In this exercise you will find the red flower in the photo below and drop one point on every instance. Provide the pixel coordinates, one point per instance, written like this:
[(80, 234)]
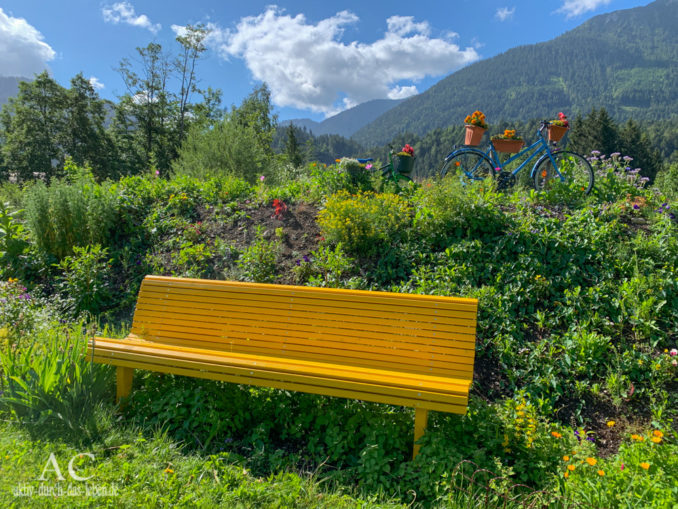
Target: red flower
[(280, 208), (407, 148)]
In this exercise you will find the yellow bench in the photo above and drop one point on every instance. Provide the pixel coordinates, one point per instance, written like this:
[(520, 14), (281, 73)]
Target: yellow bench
[(400, 349)]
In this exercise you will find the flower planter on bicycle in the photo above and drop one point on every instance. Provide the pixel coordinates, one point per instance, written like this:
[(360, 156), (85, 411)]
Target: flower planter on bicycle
[(553, 166)]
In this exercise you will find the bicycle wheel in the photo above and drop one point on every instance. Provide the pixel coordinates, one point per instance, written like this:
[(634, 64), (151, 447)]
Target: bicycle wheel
[(572, 166), (469, 165)]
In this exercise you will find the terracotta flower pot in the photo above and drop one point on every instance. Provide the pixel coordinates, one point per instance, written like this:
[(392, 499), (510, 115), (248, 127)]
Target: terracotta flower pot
[(473, 135), (556, 132), (508, 146)]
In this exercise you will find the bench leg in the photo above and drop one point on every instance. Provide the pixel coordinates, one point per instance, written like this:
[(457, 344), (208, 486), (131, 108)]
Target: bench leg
[(124, 382), (420, 421)]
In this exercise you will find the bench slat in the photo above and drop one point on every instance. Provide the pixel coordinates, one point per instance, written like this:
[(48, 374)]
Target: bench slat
[(309, 388), (105, 346), (355, 299), (227, 326), (310, 349), (259, 308), (268, 370), (193, 330)]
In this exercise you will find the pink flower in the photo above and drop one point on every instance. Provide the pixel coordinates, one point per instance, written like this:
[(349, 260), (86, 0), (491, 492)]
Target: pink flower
[(674, 362), (262, 178), (622, 467), (368, 166), (157, 173), (673, 352)]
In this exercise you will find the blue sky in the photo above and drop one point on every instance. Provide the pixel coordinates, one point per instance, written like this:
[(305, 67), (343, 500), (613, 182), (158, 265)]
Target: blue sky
[(317, 57)]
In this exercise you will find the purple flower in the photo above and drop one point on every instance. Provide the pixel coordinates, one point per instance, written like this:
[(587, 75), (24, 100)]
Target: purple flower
[(298, 262), (636, 207), (615, 154), (307, 259), (595, 152), (627, 158)]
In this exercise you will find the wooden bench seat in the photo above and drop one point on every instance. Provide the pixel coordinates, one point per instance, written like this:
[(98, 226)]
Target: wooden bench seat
[(400, 349)]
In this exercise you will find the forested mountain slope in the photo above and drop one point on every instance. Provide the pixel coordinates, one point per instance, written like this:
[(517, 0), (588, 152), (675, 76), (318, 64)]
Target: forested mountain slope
[(624, 61)]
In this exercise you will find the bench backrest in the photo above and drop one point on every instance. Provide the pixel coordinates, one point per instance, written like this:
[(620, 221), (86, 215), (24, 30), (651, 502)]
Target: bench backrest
[(412, 333)]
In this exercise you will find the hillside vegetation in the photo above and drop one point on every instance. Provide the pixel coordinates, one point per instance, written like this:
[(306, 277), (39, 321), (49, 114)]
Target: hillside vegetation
[(574, 394)]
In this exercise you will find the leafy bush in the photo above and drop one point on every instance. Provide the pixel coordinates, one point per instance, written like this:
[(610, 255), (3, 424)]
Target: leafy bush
[(364, 223), (449, 210), (12, 241), (85, 279), (259, 260), (64, 214), (49, 385), (642, 473)]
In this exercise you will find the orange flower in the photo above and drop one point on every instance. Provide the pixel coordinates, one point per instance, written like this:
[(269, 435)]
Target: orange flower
[(556, 434), (566, 458), (601, 473), (656, 440), (645, 465), (658, 433), (571, 468), (566, 475), (637, 438), (591, 461)]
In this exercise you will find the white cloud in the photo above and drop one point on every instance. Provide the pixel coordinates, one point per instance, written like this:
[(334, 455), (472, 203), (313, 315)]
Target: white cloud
[(572, 8), (123, 12), (504, 13), (96, 84), (307, 66), (22, 49), (402, 92)]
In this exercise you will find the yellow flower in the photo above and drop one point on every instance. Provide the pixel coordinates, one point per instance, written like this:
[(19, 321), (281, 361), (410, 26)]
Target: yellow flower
[(601, 473), (645, 465), (566, 458), (591, 461), (571, 468), (168, 470), (657, 440), (610, 424)]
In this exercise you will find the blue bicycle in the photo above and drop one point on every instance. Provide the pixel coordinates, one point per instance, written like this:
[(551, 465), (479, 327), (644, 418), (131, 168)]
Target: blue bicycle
[(554, 166)]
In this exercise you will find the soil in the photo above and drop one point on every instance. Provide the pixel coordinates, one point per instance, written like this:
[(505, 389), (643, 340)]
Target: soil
[(300, 232)]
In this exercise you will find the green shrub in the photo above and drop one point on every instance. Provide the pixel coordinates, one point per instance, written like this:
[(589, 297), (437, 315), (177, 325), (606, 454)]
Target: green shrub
[(259, 260), (365, 222), (85, 280), (50, 387), (667, 181), (64, 215), (448, 210), (642, 474), (12, 241)]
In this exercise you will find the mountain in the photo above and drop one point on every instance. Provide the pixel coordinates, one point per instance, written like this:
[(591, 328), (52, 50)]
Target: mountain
[(348, 121), (624, 61), (9, 87)]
